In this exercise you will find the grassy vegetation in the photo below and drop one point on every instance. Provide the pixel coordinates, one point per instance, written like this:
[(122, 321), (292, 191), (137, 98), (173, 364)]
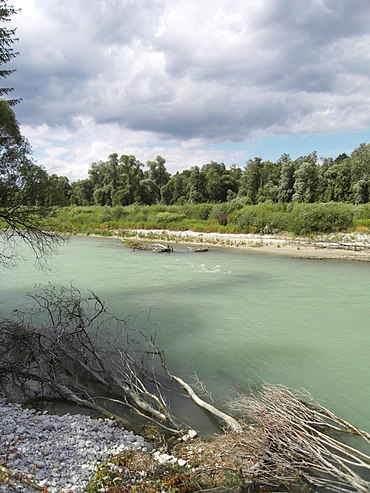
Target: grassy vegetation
[(296, 218), (136, 471)]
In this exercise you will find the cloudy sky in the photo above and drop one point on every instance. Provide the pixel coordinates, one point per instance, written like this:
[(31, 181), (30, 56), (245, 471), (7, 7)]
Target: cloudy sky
[(192, 80)]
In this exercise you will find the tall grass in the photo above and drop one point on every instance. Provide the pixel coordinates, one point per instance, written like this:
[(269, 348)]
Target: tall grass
[(264, 218)]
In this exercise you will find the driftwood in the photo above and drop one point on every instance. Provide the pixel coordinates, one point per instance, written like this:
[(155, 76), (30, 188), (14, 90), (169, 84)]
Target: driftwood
[(142, 245), (300, 440), (159, 248), (65, 347), (227, 419), (198, 250)]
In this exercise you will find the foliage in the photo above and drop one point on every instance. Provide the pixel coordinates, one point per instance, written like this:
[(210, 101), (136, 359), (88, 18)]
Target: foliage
[(262, 218), (7, 53), (323, 218), (267, 218), (22, 196), (125, 181), (135, 471)]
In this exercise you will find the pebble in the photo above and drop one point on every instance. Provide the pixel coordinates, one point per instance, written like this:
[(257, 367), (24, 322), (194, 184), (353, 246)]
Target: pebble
[(55, 451)]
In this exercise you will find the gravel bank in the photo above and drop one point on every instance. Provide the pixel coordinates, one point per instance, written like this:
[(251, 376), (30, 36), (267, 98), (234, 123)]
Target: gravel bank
[(59, 453), (344, 246)]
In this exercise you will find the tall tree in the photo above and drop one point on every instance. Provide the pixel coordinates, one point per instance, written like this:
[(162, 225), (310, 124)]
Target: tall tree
[(131, 174), (251, 181), (58, 191), (100, 174), (7, 40), (360, 173), (157, 171), (342, 180), (214, 188), (197, 181), (82, 192), (306, 182), (286, 181), (148, 192), (8, 121), (326, 178)]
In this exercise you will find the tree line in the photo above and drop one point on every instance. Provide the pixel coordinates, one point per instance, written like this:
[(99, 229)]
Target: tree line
[(125, 180)]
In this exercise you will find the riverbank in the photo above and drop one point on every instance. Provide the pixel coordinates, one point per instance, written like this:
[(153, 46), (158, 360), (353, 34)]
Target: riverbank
[(346, 246)]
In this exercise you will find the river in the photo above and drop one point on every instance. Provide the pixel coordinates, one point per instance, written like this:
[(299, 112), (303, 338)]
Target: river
[(235, 318)]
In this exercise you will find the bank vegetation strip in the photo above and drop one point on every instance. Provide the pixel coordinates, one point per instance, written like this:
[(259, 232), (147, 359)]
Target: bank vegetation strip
[(229, 217)]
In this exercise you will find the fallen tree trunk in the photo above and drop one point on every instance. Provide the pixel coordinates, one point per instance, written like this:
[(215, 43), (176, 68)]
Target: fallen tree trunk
[(227, 419), (159, 248)]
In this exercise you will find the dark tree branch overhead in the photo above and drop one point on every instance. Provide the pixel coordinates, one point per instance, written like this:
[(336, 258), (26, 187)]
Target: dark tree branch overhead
[(21, 179), (21, 217)]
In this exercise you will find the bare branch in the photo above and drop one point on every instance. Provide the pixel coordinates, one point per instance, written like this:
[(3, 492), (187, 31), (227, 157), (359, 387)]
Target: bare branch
[(300, 443)]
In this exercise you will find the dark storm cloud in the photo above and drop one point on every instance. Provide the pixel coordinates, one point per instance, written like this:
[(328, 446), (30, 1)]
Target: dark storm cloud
[(212, 69)]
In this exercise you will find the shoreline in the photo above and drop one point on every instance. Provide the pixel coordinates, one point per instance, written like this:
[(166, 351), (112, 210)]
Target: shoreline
[(344, 246)]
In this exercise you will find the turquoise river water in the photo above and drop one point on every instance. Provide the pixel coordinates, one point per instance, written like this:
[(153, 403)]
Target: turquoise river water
[(236, 318)]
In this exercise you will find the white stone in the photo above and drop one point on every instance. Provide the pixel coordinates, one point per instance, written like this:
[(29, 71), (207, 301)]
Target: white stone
[(192, 433)]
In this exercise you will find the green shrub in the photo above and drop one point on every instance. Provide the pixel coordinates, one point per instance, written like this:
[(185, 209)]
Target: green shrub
[(298, 218), (260, 219), (225, 208), (197, 211), (362, 211), (166, 217), (362, 222), (320, 218), (218, 210)]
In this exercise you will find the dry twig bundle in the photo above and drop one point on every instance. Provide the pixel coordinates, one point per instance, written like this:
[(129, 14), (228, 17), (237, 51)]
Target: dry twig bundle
[(302, 441)]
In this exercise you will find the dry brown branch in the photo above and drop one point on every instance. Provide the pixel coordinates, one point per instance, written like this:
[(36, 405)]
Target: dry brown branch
[(300, 444), (24, 225)]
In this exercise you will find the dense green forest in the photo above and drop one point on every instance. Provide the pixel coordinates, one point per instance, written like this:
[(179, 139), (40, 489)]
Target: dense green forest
[(125, 180), (301, 196)]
